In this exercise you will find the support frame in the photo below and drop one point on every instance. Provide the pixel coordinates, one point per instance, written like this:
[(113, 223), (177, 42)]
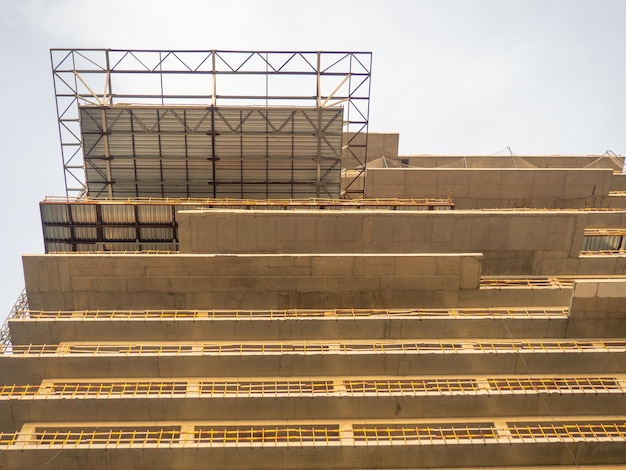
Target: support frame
[(105, 77)]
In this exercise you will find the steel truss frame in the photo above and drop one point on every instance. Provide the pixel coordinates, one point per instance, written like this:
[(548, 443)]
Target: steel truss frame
[(106, 77)]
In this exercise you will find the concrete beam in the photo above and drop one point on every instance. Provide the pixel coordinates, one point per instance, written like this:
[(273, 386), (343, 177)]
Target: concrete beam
[(513, 243), (16, 412), (598, 309), (32, 368), (475, 188), (203, 327), (309, 457), (250, 281)]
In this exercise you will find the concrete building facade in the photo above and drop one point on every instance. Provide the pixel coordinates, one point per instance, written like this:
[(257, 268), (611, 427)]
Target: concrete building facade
[(454, 315)]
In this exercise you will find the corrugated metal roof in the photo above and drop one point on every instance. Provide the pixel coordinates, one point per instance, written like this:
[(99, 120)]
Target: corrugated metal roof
[(85, 233), (119, 233), (118, 214), (156, 233), (55, 213), (154, 214), (56, 233), (83, 214), (198, 151)]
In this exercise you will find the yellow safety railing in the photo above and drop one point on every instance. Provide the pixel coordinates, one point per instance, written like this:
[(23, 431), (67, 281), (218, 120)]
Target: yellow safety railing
[(8, 439), (269, 388), (550, 209), (320, 387), (604, 232), (535, 283), (556, 384), (268, 434), (603, 253), (236, 202), (390, 433), (569, 431), (107, 438), (116, 252), (422, 313), (315, 347), (322, 434), (407, 386)]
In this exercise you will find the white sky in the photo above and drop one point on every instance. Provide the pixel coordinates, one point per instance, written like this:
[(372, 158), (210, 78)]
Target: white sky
[(451, 76)]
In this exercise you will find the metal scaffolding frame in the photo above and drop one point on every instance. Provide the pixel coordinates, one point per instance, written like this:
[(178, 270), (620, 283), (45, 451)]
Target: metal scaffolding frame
[(105, 78)]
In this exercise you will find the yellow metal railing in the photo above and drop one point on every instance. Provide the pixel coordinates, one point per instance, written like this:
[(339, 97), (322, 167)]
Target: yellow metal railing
[(550, 209), (604, 232), (116, 252), (603, 253), (268, 434), (540, 282), (555, 384), (106, 438), (411, 387), (443, 432), (535, 283), (422, 313), (315, 347), (252, 203), (321, 434), (319, 387), (568, 431)]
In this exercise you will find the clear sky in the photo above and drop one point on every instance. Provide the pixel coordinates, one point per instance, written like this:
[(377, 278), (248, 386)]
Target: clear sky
[(451, 76)]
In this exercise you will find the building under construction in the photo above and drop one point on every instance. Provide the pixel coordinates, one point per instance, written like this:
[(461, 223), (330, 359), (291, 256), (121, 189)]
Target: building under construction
[(241, 276)]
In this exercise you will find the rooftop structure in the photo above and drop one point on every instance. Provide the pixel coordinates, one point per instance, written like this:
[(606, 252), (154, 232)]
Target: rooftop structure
[(248, 124), (354, 309)]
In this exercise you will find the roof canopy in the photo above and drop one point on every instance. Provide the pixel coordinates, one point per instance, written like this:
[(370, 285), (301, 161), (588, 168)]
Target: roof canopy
[(206, 151)]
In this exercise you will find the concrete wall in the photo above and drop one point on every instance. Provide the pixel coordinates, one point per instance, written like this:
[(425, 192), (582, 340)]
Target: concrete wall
[(494, 188), (68, 282), (347, 455), (598, 309), (615, 201), (606, 219), (618, 182), (513, 243), (201, 328), (516, 161), (16, 412), (31, 369)]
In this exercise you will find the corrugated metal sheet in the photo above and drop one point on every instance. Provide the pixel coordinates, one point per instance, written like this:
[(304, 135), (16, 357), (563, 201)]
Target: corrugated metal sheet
[(86, 233), (160, 246), (596, 243), (119, 233), (56, 247), (150, 213), (119, 246), (118, 214), (166, 234), (86, 247), (54, 213), (169, 151), (84, 213), (56, 233)]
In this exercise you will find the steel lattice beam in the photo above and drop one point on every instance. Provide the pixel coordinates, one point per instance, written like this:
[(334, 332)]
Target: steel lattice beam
[(105, 77)]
